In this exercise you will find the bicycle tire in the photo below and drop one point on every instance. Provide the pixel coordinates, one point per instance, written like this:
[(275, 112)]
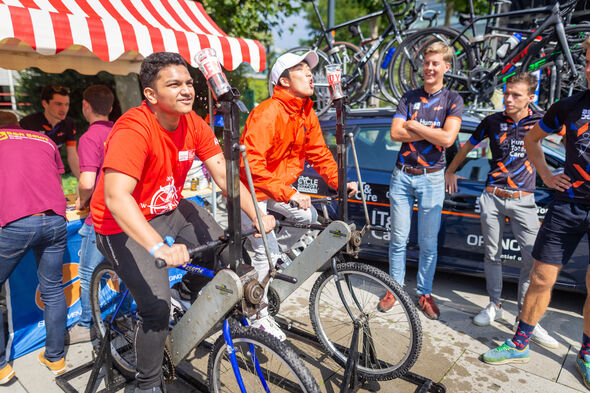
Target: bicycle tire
[(548, 60), (405, 68), (381, 74), (321, 103), (395, 333), (355, 87), (283, 370), (106, 290)]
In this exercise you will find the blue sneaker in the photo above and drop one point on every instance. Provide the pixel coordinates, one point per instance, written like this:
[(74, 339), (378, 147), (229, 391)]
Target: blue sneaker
[(583, 366), (507, 353)]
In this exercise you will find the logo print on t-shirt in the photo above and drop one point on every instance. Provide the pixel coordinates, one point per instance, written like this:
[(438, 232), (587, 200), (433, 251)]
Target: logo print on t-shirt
[(583, 141), (165, 199)]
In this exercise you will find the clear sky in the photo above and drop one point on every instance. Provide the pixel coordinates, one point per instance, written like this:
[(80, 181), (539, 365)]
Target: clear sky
[(290, 40)]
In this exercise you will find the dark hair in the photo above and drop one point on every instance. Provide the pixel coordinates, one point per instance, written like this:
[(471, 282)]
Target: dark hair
[(8, 118), (100, 98), (524, 77), (151, 66), (50, 90)]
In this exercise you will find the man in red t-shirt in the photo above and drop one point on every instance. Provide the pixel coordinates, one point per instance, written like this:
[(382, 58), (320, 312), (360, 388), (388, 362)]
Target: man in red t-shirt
[(137, 200)]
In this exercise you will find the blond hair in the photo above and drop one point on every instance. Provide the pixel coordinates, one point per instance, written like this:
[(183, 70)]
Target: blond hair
[(441, 48)]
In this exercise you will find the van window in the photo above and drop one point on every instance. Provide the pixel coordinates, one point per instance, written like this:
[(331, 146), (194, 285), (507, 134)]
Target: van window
[(374, 148)]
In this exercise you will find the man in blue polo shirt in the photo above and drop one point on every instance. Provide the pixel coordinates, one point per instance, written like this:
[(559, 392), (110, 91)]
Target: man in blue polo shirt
[(427, 121), (509, 193), (566, 222)]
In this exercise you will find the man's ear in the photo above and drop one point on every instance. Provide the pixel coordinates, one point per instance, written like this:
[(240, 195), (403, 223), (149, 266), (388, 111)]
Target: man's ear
[(150, 95), (44, 103), (448, 66), (284, 82)]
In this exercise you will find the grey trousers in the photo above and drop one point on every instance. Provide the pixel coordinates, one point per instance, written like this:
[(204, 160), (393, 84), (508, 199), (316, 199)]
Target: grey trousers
[(524, 221)]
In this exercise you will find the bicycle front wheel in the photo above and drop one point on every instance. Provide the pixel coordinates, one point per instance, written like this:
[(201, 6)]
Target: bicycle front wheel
[(113, 306), (390, 337), (549, 64), (405, 68), (279, 365)]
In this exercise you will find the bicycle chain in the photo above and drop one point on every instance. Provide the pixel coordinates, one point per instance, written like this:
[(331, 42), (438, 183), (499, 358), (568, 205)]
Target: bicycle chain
[(168, 369)]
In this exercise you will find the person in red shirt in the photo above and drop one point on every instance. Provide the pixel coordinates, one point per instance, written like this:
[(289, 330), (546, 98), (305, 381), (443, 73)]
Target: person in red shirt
[(138, 200), (280, 135)]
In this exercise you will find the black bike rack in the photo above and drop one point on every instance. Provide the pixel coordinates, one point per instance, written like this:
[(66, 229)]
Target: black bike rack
[(113, 379)]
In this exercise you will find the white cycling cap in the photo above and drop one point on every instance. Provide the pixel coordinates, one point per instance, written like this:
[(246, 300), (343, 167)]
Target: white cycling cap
[(288, 60)]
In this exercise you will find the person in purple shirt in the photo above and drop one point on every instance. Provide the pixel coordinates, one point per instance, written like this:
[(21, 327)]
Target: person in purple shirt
[(567, 221), (426, 121), (32, 217), (97, 104), (509, 193)]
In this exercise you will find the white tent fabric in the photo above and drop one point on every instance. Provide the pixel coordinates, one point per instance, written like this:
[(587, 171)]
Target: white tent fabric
[(89, 35)]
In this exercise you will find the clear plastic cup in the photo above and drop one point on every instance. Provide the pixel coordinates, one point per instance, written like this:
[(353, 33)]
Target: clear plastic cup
[(333, 74), (211, 69)]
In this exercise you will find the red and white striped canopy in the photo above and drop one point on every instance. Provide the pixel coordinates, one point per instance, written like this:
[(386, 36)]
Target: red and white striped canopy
[(113, 35)]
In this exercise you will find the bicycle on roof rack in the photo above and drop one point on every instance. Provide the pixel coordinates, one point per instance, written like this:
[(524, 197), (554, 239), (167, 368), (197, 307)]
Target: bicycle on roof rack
[(361, 79), (479, 66)]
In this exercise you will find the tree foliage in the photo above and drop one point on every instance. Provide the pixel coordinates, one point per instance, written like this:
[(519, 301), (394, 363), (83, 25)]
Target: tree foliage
[(250, 18)]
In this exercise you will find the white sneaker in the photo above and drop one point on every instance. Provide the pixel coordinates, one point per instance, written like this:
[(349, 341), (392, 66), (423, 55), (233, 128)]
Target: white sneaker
[(541, 337), (488, 314), (269, 325)]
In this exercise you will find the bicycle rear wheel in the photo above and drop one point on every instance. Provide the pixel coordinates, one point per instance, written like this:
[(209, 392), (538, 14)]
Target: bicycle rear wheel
[(356, 78), (283, 371), (113, 305), (390, 338), (557, 79), (405, 69)]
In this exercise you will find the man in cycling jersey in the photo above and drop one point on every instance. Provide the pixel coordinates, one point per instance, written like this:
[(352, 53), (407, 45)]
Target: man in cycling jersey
[(137, 200), (280, 135)]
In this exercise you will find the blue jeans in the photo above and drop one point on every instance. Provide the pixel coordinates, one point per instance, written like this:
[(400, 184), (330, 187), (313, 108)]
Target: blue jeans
[(90, 257), (429, 191), (46, 235)]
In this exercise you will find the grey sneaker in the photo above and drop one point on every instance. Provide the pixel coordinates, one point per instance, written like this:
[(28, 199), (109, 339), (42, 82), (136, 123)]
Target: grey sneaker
[(488, 314), (79, 334)]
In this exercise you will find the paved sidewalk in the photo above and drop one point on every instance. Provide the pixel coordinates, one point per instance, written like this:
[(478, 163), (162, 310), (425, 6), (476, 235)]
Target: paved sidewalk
[(450, 351)]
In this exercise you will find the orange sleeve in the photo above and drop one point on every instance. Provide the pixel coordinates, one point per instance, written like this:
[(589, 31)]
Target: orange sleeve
[(257, 137), (318, 155)]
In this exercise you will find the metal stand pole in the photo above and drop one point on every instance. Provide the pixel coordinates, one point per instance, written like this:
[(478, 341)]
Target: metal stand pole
[(341, 158), (231, 107)]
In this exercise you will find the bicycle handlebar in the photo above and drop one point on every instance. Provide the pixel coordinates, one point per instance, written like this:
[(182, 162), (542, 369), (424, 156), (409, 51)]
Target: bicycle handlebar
[(192, 252)]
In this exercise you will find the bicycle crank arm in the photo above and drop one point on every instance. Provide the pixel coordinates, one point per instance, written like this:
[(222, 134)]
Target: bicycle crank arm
[(314, 257), (218, 298)]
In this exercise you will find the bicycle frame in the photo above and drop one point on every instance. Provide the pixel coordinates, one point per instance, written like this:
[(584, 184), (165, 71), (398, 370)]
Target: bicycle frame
[(181, 340), (526, 46)]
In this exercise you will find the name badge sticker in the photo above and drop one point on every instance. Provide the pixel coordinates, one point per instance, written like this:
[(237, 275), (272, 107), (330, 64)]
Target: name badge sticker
[(183, 155)]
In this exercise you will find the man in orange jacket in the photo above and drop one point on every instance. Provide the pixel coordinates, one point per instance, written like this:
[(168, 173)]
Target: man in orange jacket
[(280, 135)]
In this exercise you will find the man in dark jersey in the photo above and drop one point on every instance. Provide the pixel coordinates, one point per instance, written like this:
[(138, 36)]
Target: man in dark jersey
[(54, 123), (509, 193), (32, 216), (427, 120), (566, 222)]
